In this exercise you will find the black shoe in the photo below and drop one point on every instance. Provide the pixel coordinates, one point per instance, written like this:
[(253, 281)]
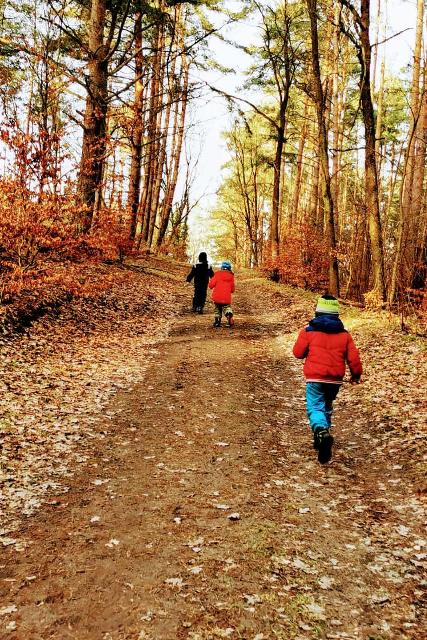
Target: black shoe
[(200, 310), (217, 322), (323, 442)]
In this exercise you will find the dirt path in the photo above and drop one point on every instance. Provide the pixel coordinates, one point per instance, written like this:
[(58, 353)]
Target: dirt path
[(208, 516)]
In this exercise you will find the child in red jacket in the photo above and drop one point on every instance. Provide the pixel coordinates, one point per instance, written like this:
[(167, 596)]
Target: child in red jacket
[(326, 347), (223, 286)]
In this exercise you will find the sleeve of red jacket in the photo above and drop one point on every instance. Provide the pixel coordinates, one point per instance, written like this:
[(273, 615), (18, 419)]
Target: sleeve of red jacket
[(353, 358), (301, 346), (212, 282), (233, 286)]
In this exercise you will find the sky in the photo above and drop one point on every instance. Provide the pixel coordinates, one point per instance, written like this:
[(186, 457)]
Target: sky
[(211, 116)]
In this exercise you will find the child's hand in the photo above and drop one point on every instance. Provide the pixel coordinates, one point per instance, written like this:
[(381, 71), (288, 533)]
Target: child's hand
[(355, 380)]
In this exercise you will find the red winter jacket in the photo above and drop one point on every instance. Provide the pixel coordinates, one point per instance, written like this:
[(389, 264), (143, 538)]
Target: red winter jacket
[(327, 347), (223, 286)]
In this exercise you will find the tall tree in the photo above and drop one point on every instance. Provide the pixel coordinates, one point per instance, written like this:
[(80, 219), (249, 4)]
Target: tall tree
[(319, 100), (361, 40), (137, 124), (180, 91), (105, 25), (405, 241), (276, 67)]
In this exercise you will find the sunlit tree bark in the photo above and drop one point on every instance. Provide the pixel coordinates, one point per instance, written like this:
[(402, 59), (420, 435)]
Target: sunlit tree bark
[(94, 124), (402, 266), (319, 100)]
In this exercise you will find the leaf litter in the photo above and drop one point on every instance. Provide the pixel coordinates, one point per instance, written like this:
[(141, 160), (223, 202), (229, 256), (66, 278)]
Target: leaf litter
[(288, 559), (57, 379)]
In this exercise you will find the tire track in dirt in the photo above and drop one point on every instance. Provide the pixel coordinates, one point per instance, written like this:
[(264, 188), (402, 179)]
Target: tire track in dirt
[(146, 548)]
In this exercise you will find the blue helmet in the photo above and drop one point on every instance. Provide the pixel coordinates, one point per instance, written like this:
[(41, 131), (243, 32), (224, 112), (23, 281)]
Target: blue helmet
[(226, 266)]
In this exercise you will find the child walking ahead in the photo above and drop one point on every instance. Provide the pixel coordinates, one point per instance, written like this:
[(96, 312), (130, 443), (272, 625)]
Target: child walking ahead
[(223, 286), (327, 347), (201, 272)]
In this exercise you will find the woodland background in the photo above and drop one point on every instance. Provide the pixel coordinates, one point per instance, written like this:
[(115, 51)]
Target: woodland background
[(325, 186), (128, 506)]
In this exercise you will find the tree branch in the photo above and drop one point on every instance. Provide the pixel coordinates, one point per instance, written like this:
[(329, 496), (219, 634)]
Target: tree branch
[(251, 104), (399, 33)]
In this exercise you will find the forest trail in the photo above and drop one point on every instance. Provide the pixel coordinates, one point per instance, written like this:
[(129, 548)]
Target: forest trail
[(208, 515)]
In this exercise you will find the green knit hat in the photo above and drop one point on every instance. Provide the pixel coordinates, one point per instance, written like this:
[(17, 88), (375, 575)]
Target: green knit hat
[(328, 305)]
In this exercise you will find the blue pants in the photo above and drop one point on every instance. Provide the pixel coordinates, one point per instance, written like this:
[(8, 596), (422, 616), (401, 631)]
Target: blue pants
[(320, 396)]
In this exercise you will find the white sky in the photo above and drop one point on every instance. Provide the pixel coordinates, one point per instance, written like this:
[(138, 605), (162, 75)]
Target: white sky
[(212, 117)]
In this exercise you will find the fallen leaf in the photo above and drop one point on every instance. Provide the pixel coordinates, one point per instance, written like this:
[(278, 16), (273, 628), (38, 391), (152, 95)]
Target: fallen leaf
[(196, 570), (325, 582), (113, 543), (5, 611), (316, 610), (174, 582), (196, 542)]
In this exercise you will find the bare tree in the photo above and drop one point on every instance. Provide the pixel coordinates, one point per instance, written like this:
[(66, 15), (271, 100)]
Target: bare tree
[(319, 100), (359, 36), (101, 45)]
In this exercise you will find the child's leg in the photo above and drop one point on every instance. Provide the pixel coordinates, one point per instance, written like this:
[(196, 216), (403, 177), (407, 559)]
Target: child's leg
[(199, 297), (316, 405), (319, 410), (203, 298), (218, 314), (229, 315), (331, 392), (218, 310)]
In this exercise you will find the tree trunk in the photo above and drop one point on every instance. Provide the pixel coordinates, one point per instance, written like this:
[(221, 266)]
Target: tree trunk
[(277, 168), (150, 162), (420, 162), (164, 129), (324, 155), (380, 114), (314, 192), (156, 167), (371, 176), (94, 124), (177, 142), (400, 267), (375, 47), (336, 112), (293, 217), (282, 191), (138, 126), (415, 111)]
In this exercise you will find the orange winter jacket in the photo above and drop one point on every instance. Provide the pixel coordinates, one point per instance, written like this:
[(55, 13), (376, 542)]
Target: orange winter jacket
[(327, 347), (223, 286)]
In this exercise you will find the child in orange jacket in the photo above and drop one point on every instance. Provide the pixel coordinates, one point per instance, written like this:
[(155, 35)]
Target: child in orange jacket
[(326, 347), (223, 286)]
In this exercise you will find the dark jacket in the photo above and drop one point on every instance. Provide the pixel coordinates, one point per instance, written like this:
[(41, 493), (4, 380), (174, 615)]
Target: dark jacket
[(200, 272), (327, 347)]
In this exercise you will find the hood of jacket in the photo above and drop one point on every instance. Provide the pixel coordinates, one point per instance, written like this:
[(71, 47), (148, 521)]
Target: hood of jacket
[(326, 323)]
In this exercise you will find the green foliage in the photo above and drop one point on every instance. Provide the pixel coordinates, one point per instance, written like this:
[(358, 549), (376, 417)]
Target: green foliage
[(395, 116)]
